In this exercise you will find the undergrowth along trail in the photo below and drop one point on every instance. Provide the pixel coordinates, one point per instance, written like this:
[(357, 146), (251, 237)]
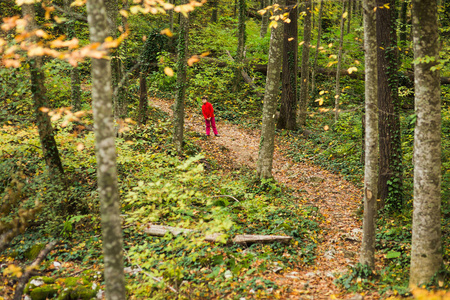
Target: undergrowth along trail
[(336, 199)]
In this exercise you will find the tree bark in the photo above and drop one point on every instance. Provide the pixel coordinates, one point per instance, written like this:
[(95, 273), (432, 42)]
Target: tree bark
[(75, 83), (264, 20), (319, 36), (143, 99), (367, 255), (183, 38), (303, 101), (106, 157), (241, 45), (266, 146), (426, 249), (403, 25), (38, 91), (214, 13), (338, 68), (288, 109), (349, 15), (390, 170)]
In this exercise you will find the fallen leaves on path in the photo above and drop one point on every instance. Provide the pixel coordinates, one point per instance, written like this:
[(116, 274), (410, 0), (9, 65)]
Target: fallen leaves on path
[(336, 199)]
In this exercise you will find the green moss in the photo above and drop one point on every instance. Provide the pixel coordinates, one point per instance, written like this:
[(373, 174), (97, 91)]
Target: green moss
[(29, 287), (70, 281), (33, 252), (82, 292), (44, 292)]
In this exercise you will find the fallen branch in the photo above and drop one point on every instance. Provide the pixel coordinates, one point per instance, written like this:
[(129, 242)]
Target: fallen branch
[(159, 230), (247, 78), (26, 276)]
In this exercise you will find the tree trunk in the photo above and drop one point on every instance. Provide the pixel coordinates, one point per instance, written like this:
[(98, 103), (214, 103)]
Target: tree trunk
[(106, 157), (390, 170), (367, 255), (349, 16), (214, 13), (178, 115), (303, 101), (426, 249), (288, 109), (338, 68), (143, 99), (75, 83), (319, 36), (265, 20), (38, 91), (403, 20), (266, 146), (241, 45)]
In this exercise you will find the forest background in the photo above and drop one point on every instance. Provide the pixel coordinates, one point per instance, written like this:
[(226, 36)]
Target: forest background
[(158, 184)]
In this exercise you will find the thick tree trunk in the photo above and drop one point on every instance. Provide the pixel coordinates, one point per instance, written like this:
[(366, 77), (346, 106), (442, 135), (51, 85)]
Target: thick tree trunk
[(106, 157), (337, 96), (390, 170), (303, 101), (241, 45), (367, 255), (143, 99), (265, 19), (266, 146), (38, 91), (349, 23), (288, 109), (426, 249), (319, 36), (178, 115)]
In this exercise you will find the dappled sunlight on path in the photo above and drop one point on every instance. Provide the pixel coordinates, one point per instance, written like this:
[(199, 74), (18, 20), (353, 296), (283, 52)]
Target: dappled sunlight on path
[(336, 199)]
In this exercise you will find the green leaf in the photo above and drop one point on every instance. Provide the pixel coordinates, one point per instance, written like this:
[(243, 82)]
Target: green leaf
[(393, 254)]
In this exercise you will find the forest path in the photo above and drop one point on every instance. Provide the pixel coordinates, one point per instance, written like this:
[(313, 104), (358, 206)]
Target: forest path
[(336, 199)]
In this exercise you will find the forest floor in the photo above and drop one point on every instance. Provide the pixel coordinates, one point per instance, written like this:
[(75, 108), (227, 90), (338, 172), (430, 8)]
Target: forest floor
[(336, 199)]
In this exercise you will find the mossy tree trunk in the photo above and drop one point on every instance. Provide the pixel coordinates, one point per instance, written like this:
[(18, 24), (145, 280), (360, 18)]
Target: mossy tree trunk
[(106, 157), (266, 146), (178, 115), (426, 245), (303, 100), (316, 56), (390, 169), (143, 99), (337, 96), (288, 109), (367, 254), (241, 45), (265, 19), (38, 91)]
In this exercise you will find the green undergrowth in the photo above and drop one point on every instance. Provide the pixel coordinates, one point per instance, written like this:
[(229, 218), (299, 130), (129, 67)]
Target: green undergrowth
[(158, 187)]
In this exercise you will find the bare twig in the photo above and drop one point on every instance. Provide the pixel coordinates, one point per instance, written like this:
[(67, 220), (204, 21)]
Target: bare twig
[(225, 196), (24, 279)]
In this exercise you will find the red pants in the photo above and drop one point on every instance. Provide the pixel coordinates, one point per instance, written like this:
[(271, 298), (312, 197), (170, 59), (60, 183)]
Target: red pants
[(209, 124)]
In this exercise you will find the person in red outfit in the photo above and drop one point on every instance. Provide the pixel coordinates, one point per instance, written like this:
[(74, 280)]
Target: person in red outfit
[(208, 113)]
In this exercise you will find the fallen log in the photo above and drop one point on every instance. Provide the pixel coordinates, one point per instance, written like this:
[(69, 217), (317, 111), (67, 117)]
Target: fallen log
[(244, 239)]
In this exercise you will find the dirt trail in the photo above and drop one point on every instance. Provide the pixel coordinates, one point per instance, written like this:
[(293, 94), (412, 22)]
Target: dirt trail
[(336, 199)]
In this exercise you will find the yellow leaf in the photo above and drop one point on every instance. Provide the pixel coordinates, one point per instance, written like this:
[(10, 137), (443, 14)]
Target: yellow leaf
[(387, 6), (124, 13), (290, 39), (352, 69), (301, 43), (330, 45), (167, 32), (273, 24), (80, 147), (344, 15), (168, 71), (326, 128), (321, 92), (191, 61)]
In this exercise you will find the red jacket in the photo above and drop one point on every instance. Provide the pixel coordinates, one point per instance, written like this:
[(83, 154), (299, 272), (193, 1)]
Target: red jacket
[(207, 110)]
